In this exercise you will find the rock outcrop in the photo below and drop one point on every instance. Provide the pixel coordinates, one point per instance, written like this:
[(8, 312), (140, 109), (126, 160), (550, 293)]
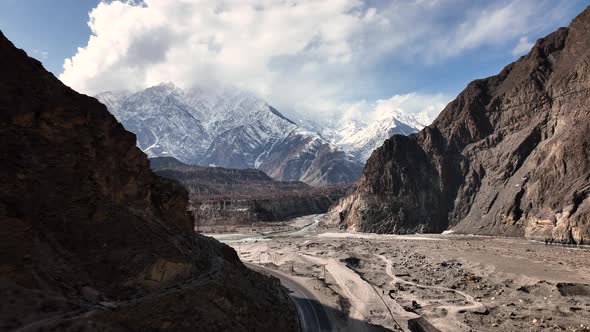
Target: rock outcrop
[(91, 239), (223, 196), (509, 156)]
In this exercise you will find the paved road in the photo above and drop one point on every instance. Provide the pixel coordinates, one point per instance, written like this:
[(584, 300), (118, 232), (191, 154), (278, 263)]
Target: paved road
[(312, 314)]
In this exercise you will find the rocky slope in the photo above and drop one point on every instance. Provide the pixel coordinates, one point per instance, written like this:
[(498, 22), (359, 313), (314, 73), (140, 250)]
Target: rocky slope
[(311, 159), (509, 156), (91, 239), (222, 196), (230, 128)]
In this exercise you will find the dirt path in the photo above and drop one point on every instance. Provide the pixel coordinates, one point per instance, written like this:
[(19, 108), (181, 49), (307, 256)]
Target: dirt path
[(457, 283), (452, 310), (364, 298)]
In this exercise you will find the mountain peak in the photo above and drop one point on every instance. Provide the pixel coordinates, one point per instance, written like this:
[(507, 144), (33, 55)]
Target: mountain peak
[(167, 85), (228, 127), (391, 114)]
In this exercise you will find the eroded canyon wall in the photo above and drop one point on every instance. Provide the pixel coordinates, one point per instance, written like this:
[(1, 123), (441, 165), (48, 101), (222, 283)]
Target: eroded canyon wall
[(509, 156)]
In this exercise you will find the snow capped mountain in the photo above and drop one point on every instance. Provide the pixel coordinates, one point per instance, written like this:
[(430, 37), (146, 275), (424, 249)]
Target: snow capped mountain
[(162, 119), (311, 158), (347, 129), (361, 138), (325, 130), (230, 128), (362, 141), (112, 99)]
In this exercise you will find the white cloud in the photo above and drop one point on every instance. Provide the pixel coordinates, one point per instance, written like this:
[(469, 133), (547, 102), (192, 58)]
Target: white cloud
[(308, 55), (523, 46), (424, 107)]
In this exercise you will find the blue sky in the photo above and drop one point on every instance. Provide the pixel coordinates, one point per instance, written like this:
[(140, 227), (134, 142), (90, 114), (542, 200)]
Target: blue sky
[(329, 59), (57, 27)]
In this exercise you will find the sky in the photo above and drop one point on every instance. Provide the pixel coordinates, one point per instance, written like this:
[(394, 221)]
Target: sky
[(326, 60)]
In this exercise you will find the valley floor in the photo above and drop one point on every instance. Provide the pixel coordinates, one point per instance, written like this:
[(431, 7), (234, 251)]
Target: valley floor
[(456, 283)]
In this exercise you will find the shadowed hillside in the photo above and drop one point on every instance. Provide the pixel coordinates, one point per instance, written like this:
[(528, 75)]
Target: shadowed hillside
[(91, 239), (242, 196)]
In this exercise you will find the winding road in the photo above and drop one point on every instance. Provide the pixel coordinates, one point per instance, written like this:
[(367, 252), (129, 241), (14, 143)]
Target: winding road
[(313, 316)]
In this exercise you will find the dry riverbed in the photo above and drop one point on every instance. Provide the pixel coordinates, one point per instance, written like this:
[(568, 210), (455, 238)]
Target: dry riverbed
[(457, 283)]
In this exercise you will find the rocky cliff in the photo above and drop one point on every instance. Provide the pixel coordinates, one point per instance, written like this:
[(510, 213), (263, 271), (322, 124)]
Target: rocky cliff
[(223, 196), (91, 239), (205, 182), (247, 211), (509, 156)]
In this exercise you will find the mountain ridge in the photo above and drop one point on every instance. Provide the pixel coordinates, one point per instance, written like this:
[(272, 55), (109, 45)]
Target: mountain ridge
[(229, 128), (506, 157), (361, 137)]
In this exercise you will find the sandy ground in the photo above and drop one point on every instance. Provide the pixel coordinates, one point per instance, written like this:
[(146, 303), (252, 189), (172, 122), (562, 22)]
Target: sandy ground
[(457, 283)]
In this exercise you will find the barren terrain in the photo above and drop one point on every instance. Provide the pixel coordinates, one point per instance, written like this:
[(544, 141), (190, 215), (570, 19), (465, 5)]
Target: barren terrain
[(455, 283)]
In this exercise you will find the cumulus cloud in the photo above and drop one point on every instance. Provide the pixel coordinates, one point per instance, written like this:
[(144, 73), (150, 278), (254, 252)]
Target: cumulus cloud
[(523, 46), (307, 55), (424, 107)]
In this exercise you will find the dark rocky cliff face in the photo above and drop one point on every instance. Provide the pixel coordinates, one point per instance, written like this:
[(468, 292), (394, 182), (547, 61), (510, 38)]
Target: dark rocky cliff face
[(247, 211), (224, 196), (91, 239), (509, 156)]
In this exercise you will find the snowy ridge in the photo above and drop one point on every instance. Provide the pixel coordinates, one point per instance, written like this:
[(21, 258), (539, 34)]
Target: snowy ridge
[(227, 127), (361, 138), (362, 142)]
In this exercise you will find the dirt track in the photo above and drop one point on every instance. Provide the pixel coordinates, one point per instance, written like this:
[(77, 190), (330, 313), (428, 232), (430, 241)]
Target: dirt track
[(457, 283)]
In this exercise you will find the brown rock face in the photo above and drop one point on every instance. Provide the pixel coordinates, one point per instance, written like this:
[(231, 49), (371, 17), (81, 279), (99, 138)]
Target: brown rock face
[(91, 239), (509, 156), (225, 196)]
